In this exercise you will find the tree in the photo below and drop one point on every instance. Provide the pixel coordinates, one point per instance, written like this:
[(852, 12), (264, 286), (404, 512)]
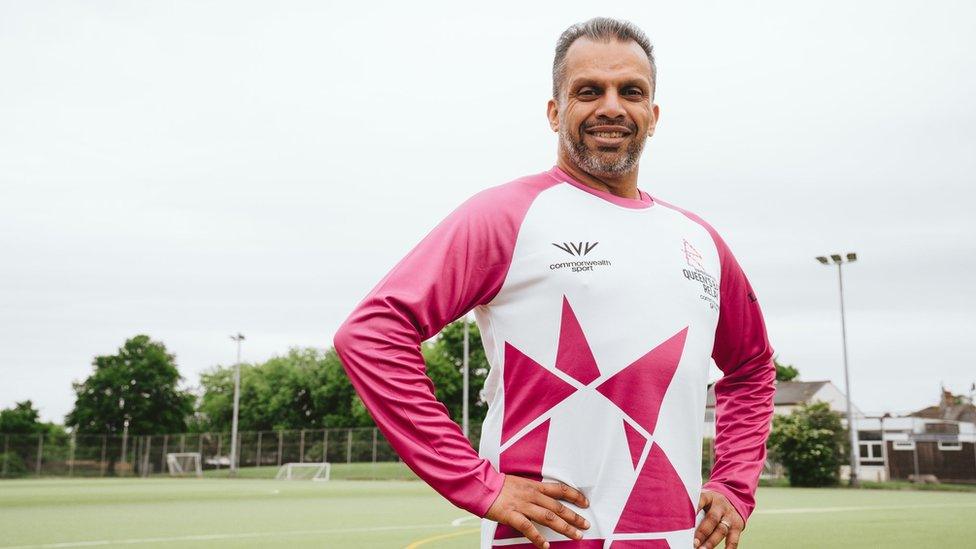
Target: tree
[(809, 443), (19, 423), (21, 428), (304, 389), (308, 388), (139, 383), (22, 419), (445, 362), (785, 372)]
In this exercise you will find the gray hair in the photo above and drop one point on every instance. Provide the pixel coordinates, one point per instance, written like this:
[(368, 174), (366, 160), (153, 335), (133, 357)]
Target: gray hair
[(603, 29)]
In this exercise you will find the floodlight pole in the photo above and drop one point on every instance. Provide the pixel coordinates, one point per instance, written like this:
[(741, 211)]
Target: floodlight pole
[(851, 426), (465, 375), (237, 398), (125, 436)]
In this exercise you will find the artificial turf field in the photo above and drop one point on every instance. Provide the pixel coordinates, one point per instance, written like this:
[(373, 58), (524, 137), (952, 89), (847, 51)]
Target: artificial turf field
[(251, 512)]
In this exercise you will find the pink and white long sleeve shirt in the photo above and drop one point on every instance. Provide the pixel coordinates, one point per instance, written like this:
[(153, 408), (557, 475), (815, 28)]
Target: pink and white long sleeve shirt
[(599, 315)]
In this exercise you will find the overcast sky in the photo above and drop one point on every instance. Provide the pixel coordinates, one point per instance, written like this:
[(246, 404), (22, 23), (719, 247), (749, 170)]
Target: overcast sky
[(188, 170)]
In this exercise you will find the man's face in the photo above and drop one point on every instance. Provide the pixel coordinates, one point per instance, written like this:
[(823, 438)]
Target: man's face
[(604, 112)]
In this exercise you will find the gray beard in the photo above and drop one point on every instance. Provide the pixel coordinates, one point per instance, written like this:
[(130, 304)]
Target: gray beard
[(594, 162)]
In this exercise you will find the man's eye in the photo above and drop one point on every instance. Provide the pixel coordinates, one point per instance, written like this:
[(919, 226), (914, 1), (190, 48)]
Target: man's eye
[(585, 92), (634, 91)]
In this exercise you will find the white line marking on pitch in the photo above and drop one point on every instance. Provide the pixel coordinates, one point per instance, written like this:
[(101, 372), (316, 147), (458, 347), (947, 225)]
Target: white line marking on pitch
[(455, 522), (210, 537), (855, 508), (462, 520)]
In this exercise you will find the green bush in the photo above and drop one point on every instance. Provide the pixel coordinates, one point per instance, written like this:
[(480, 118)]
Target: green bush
[(12, 465), (809, 443)]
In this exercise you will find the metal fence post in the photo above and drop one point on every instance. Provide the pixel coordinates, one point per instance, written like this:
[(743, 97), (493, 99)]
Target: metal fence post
[(101, 463), (915, 458), (162, 455), (125, 441), (40, 452), (974, 457), (182, 443), (258, 459), (281, 444), (6, 448), (301, 447), (71, 454), (349, 446), (146, 463), (218, 450), (374, 444), (136, 455), (325, 445)]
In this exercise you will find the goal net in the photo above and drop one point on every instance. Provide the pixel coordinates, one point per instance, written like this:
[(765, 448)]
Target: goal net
[(304, 471), (184, 464)]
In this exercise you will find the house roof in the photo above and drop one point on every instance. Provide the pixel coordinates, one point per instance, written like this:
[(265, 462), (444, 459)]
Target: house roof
[(787, 392), (956, 412), (951, 407)]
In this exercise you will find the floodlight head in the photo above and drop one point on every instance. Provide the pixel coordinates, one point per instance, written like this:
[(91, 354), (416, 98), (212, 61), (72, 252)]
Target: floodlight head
[(836, 258), (851, 256), (823, 260)]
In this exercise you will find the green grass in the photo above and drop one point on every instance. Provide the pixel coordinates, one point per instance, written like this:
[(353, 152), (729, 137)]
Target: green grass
[(339, 471), (247, 512), (905, 485), (887, 485)]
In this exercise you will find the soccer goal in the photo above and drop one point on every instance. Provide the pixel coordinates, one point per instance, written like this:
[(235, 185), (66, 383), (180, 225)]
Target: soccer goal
[(304, 471), (183, 464)]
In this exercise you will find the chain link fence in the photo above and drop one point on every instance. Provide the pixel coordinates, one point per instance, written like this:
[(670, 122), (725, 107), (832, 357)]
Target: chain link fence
[(145, 455)]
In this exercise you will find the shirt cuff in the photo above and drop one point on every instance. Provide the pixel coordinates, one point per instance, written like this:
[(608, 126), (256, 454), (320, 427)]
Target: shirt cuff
[(737, 503), (489, 493)]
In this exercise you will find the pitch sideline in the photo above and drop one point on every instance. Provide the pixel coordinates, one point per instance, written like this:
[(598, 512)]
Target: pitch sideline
[(455, 523), (214, 537)]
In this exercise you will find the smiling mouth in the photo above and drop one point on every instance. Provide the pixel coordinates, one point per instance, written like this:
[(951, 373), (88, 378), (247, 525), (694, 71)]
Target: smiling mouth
[(611, 132)]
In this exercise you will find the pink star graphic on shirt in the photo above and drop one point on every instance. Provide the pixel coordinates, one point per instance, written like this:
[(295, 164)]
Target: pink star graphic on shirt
[(658, 501)]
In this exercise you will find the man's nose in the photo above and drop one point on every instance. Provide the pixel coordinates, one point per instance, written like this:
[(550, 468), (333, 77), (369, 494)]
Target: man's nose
[(610, 105)]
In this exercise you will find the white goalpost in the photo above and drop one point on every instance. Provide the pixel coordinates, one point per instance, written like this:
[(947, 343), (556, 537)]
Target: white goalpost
[(181, 464), (304, 471)]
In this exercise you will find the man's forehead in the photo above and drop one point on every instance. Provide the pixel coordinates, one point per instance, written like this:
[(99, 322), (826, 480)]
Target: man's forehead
[(590, 59)]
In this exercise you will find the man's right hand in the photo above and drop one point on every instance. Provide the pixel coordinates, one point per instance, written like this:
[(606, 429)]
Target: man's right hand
[(523, 503)]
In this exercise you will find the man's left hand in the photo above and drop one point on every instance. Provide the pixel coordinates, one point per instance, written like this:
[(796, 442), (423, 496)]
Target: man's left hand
[(721, 521)]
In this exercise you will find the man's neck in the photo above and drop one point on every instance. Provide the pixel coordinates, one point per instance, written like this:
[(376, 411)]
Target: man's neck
[(624, 186)]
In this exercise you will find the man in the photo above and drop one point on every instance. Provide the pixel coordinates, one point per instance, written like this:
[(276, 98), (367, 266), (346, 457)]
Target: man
[(599, 307)]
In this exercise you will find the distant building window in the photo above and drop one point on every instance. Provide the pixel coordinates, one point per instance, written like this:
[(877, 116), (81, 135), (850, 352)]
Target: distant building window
[(903, 445), (871, 453), (950, 445)]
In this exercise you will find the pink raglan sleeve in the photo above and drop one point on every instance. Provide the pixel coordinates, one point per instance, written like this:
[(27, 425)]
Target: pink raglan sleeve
[(460, 264), (744, 395)]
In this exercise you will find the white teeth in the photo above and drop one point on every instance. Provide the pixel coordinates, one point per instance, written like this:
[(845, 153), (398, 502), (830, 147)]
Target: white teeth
[(608, 134)]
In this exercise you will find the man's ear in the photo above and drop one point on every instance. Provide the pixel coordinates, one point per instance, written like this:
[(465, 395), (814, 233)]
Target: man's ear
[(656, 111), (552, 111)]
